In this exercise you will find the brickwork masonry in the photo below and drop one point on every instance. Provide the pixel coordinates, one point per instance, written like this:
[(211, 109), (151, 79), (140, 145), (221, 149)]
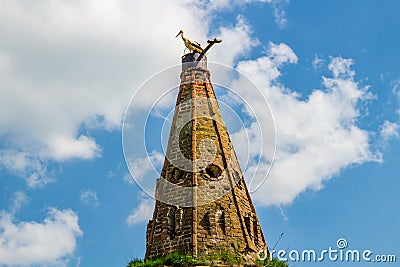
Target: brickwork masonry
[(203, 202)]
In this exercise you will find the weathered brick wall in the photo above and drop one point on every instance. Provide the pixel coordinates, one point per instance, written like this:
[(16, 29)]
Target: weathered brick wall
[(208, 206)]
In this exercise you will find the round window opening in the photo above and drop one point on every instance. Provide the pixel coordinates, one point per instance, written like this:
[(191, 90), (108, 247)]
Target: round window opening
[(213, 171), (178, 174)]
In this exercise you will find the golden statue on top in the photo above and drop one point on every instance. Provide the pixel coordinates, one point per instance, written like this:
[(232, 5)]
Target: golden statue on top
[(194, 46), (191, 45)]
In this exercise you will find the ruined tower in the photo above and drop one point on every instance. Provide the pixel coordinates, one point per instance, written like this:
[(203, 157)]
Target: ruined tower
[(203, 205)]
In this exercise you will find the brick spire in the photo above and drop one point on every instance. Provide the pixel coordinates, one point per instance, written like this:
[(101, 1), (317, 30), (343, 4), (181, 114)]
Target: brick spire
[(203, 205)]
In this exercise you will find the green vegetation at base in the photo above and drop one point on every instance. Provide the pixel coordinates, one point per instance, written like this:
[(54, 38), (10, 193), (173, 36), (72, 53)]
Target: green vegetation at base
[(179, 260), (272, 263), (174, 260)]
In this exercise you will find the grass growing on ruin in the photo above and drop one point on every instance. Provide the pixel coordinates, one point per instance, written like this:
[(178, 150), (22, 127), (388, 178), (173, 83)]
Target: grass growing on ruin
[(272, 263), (181, 260), (174, 260)]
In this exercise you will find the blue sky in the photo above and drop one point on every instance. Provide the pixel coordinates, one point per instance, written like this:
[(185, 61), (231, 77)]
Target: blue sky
[(329, 71)]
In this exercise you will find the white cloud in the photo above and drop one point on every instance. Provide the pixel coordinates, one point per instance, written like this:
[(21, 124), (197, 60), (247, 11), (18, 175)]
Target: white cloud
[(140, 167), (67, 66), (40, 243), (341, 68), (128, 178), (143, 212), (396, 92), (72, 73), (317, 137), (279, 13), (89, 198), (144, 170), (19, 199), (237, 41), (389, 130), (39, 177), (264, 70), (277, 6), (61, 148), (15, 161), (212, 5), (395, 88), (24, 164), (281, 53), (318, 62)]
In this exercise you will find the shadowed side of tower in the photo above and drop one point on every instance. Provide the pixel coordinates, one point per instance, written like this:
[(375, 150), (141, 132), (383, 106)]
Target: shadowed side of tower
[(203, 205)]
